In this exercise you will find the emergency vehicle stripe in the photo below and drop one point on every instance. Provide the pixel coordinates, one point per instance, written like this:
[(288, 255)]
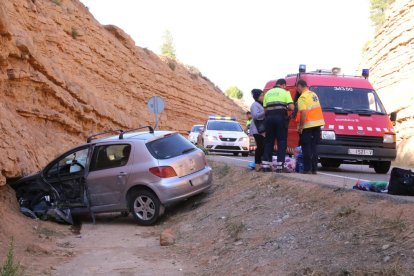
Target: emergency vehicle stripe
[(369, 128), (360, 128), (378, 129), (350, 127), (341, 127)]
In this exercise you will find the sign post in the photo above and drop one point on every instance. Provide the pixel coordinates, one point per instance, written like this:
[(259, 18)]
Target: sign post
[(156, 105)]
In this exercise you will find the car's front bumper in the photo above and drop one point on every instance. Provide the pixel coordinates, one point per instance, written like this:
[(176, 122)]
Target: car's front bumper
[(341, 152), (175, 189), (219, 146)]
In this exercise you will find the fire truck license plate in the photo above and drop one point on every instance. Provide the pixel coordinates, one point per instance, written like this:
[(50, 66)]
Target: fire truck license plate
[(360, 152)]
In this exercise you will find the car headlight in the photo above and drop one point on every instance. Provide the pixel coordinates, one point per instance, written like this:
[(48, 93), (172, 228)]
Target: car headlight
[(211, 138), (389, 138), (328, 135), (243, 139)]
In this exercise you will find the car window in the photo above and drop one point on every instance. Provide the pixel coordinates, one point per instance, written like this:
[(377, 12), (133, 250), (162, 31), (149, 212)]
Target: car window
[(170, 146), (224, 126), (110, 156), (71, 164), (196, 128)]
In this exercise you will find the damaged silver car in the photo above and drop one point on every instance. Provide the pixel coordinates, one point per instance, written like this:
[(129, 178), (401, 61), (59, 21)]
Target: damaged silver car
[(137, 172)]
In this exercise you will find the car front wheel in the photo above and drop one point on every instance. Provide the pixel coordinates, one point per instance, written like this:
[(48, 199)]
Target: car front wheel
[(145, 207)]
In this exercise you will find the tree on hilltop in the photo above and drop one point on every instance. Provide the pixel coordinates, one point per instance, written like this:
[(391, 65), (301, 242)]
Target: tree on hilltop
[(167, 46), (378, 8), (234, 92)]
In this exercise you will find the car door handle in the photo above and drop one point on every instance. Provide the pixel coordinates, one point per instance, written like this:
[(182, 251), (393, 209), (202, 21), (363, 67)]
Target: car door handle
[(122, 174)]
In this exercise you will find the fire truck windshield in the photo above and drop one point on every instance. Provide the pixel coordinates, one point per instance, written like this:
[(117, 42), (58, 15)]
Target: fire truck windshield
[(349, 99)]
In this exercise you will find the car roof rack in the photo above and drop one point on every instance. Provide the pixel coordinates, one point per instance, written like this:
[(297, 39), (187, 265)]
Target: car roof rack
[(121, 135), (90, 138)]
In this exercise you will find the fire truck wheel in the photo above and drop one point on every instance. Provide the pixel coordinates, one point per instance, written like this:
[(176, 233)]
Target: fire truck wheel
[(330, 163), (382, 166)]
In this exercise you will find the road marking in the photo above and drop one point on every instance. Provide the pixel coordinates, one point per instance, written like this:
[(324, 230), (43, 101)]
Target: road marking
[(236, 159), (352, 178)]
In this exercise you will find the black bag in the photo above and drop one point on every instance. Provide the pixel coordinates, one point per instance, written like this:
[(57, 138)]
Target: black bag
[(260, 125), (401, 182)]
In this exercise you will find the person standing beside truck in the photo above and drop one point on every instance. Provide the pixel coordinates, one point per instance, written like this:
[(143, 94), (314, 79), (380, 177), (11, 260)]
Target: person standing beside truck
[(277, 102), (310, 119), (257, 126), (248, 121)]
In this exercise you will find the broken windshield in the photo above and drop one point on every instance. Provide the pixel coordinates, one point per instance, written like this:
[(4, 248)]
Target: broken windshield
[(349, 99)]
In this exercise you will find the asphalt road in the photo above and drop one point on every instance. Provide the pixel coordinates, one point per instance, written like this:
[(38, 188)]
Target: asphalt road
[(346, 176)]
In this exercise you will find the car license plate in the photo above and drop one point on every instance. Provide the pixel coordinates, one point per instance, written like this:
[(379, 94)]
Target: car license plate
[(228, 144), (360, 152), (199, 180)]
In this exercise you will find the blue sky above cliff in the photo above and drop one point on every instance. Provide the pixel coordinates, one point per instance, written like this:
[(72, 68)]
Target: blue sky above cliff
[(247, 43)]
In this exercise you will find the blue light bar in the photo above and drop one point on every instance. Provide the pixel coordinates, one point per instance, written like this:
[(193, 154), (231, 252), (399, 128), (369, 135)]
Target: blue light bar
[(302, 68), (227, 118), (365, 73)]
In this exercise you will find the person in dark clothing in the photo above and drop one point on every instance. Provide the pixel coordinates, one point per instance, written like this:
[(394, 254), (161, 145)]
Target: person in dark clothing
[(277, 102), (257, 126)]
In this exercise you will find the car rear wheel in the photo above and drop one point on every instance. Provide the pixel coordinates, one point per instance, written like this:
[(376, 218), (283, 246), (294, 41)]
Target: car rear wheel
[(330, 163), (145, 207), (382, 166)]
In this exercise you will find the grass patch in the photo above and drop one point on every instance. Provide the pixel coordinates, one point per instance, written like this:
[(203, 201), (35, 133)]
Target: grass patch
[(57, 2), (172, 64), (74, 33), (10, 267), (235, 229), (345, 211), (223, 170), (398, 223), (49, 232)]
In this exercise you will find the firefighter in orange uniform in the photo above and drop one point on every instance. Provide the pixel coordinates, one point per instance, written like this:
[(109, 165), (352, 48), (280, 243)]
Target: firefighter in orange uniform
[(310, 119)]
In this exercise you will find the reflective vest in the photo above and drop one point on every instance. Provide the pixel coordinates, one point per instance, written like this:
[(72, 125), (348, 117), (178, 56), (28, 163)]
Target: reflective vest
[(277, 97), (309, 101), (248, 122)]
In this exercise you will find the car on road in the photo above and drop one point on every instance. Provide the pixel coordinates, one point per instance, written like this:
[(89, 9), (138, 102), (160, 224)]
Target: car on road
[(137, 172), (194, 133), (224, 134)]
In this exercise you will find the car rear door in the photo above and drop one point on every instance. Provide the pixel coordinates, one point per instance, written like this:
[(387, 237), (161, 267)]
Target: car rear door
[(108, 174)]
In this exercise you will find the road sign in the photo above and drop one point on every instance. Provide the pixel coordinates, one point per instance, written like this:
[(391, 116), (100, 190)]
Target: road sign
[(156, 105)]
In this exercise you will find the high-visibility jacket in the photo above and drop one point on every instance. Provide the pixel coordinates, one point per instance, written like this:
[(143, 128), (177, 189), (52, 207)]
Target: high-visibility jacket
[(277, 97), (248, 122), (309, 102)]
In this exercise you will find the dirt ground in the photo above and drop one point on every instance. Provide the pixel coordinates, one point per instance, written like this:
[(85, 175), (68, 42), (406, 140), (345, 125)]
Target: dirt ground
[(248, 223)]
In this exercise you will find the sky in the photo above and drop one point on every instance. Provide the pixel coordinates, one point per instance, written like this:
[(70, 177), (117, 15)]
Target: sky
[(247, 43)]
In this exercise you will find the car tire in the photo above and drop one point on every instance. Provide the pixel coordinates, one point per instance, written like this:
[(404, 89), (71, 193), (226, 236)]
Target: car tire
[(245, 154), (382, 167), (235, 153), (330, 163), (144, 206)]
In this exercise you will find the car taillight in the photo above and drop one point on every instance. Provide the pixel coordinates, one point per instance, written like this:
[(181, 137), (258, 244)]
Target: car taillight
[(163, 172)]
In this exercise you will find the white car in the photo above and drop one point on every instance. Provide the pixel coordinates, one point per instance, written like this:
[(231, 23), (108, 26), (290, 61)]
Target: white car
[(193, 134), (224, 134)]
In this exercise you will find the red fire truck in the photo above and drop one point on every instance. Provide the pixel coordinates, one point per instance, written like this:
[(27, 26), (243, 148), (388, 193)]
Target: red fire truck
[(357, 128)]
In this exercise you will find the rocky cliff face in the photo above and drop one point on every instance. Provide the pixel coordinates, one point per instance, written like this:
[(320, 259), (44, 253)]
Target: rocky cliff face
[(64, 76), (390, 56)]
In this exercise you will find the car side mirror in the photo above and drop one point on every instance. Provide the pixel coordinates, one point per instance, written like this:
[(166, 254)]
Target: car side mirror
[(393, 116)]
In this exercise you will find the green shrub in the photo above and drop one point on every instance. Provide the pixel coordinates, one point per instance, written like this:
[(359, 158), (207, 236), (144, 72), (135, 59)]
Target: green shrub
[(10, 268)]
